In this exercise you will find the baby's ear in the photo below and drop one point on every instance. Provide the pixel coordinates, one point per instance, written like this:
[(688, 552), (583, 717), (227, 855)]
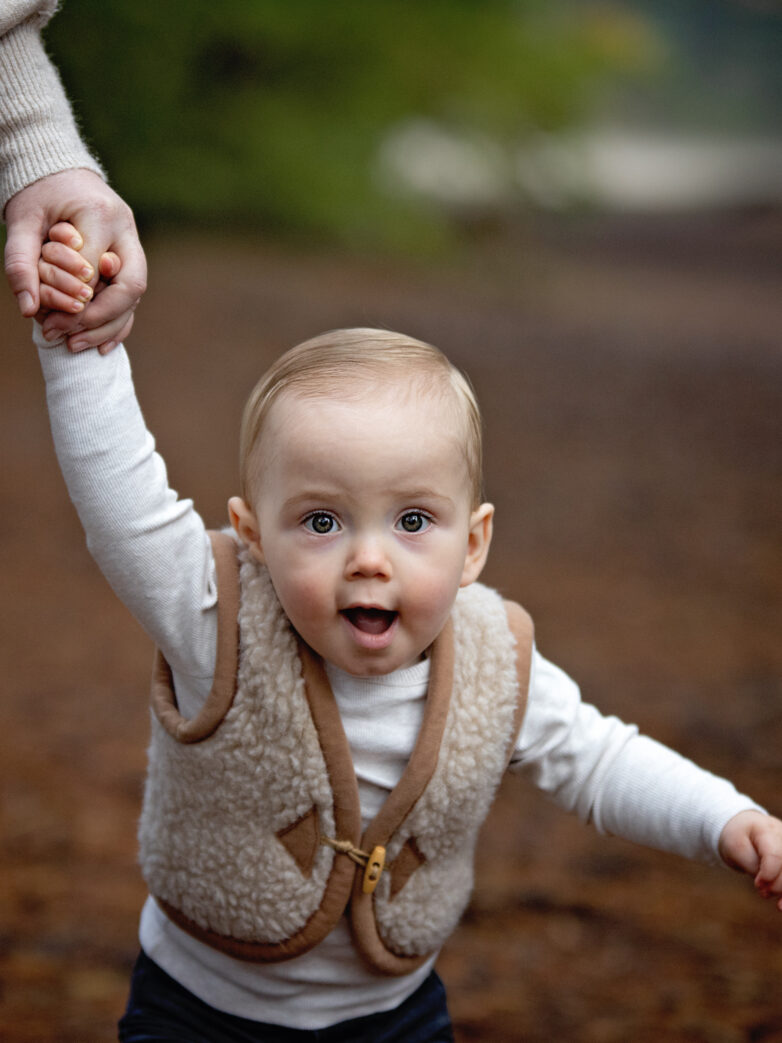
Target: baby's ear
[(478, 543), (245, 524)]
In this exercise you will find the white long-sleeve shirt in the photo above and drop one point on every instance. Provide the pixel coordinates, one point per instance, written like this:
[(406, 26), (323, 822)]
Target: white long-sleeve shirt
[(152, 547)]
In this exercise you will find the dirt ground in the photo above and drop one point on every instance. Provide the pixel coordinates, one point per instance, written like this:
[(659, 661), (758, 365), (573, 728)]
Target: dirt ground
[(631, 377)]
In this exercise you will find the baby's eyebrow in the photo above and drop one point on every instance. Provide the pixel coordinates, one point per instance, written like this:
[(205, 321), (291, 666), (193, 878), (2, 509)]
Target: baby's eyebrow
[(420, 495), (322, 496), (310, 498)]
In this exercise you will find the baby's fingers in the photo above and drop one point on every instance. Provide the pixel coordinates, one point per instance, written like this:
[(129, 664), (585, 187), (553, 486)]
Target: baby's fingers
[(57, 255), (768, 879), (64, 275), (56, 300), (61, 291), (109, 265), (65, 233)]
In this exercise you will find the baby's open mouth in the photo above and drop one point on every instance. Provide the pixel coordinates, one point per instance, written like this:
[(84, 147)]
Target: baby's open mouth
[(370, 620)]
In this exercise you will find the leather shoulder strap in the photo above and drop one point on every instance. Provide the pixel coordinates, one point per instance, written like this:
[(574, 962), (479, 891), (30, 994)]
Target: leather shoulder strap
[(219, 700)]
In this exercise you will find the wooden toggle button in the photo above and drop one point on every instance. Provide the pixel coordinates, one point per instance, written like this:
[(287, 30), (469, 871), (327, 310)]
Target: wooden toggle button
[(375, 864)]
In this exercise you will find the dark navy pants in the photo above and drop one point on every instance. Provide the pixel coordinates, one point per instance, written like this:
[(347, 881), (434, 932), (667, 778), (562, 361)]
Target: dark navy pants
[(160, 1010)]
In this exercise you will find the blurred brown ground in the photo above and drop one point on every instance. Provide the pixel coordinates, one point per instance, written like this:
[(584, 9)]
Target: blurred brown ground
[(631, 377)]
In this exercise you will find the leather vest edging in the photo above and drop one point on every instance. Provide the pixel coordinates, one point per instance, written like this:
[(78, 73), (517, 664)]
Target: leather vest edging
[(428, 824)]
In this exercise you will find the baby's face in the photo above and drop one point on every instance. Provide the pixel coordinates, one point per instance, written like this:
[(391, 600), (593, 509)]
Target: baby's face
[(365, 523)]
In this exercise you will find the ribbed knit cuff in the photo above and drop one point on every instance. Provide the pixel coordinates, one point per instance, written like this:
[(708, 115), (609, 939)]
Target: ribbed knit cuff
[(38, 133)]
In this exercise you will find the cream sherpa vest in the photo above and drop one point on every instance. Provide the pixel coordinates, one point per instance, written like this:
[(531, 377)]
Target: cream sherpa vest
[(251, 829)]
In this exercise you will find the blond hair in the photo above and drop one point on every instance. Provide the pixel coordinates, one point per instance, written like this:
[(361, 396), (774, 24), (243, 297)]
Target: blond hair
[(338, 361)]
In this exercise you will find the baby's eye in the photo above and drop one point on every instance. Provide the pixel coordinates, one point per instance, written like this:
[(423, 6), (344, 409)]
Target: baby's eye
[(413, 521), (321, 523)]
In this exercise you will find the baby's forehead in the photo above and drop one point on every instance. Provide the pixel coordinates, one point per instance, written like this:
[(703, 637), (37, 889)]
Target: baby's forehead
[(420, 399), (405, 439), (432, 400)]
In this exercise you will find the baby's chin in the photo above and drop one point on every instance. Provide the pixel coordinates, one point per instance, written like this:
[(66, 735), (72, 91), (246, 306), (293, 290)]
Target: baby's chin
[(368, 667)]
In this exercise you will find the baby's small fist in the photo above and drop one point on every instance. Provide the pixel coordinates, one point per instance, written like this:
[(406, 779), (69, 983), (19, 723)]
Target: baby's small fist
[(752, 842), (66, 277)]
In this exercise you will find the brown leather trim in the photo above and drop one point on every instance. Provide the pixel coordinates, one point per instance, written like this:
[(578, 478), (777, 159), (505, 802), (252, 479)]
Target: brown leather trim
[(347, 816), (250, 952), (344, 789), (334, 746), (399, 803), (404, 865), (301, 839), (523, 631), (219, 700), (423, 759), (347, 820)]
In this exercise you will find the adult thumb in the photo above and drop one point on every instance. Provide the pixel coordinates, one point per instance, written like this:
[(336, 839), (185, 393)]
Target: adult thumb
[(22, 250)]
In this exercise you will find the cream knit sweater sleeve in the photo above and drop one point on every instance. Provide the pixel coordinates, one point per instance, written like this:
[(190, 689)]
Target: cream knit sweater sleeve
[(38, 133)]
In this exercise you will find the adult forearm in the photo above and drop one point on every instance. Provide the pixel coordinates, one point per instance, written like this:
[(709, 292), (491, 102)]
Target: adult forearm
[(38, 132)]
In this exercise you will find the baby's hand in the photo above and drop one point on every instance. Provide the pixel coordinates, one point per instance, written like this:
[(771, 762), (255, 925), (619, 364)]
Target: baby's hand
[(752, 843), (68, 281)]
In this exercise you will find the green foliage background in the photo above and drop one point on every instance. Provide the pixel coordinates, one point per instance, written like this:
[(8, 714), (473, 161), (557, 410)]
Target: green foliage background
[(269, 113)]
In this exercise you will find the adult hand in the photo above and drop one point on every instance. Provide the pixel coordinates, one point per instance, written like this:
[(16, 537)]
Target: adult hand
[(105, 223)]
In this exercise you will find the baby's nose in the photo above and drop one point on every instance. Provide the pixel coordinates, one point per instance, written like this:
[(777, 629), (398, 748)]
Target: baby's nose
[(368, 557)]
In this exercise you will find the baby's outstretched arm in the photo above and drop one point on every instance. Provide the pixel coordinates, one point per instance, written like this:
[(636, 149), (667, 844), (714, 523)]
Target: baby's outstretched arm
[(66, 277), (752, 843), (150, 543)]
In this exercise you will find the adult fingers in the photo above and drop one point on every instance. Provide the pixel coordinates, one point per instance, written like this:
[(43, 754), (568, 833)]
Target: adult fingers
[(105, 222), (109, 226), (131, 280), (116, 303), (111, 332), (123, 334), (22, 249)]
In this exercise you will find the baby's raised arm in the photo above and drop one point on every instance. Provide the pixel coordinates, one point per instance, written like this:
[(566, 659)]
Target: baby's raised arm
[(150, 544)]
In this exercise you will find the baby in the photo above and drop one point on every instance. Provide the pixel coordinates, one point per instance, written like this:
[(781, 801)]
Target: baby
[(335, 697)]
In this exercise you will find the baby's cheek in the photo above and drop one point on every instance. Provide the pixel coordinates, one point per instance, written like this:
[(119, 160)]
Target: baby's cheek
[(302, 595), (433, 599)]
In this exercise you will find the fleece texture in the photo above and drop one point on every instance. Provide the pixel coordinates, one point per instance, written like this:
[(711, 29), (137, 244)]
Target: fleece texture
[(443, 826), (219, 810), (212, 809)]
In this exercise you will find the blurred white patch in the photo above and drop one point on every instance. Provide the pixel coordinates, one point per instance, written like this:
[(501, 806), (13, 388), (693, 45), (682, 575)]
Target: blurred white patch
[(607, 169), (422, 158), (626, 171)]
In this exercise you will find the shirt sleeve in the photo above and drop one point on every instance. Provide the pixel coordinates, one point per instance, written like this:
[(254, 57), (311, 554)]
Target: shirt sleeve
[(624, 783), (150, 544), (38, 132)]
